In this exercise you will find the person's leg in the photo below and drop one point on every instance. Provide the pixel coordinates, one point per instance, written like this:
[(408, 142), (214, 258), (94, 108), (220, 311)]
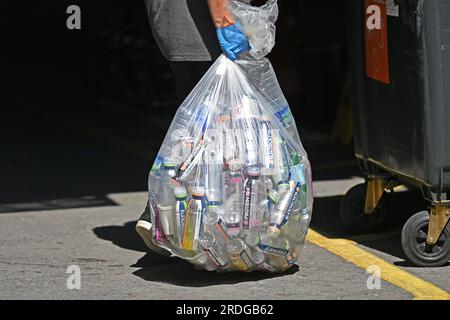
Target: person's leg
[(186, 76)]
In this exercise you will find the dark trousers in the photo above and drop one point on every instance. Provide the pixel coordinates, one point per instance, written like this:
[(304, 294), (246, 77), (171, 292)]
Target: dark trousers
[(187, 74)]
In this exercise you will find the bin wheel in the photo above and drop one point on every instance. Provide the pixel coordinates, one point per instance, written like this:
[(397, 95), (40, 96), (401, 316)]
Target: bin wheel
[(353, 216), (416, 248)]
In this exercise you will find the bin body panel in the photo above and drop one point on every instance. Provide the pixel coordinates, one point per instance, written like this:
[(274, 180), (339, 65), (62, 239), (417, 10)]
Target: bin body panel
[(403, 127)]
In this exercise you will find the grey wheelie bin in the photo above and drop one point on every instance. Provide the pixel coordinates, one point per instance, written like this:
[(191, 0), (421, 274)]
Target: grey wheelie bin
[(400, 64)]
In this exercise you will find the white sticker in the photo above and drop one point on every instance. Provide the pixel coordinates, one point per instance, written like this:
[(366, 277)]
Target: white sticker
[(392, 9)]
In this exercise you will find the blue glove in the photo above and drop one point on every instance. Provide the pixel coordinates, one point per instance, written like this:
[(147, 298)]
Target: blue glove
[(232, 41)]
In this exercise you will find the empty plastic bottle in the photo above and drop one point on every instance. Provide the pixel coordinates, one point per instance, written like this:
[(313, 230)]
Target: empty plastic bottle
[(240, 255), (214, 250), (252, 216), (181, 206), (194, 217), (247, 125), (233, 204), (267, 146), (281, 172), (216, 226), (213, 178), (288, 205), (165, 197)]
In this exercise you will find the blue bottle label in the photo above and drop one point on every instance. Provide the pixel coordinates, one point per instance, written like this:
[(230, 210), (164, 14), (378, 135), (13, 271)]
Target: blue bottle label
[(285, 116)]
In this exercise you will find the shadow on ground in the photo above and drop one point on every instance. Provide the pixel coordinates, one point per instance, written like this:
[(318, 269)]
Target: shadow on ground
[(401, 206), (157, 268)]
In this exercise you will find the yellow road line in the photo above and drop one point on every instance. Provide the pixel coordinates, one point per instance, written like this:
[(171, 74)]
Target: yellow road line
[(346, 249), (351, 252)]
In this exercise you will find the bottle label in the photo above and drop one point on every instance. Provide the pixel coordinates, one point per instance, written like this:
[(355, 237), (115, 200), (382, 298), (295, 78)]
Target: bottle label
[(215, 258), (285, 116), (156, 167), (247, 206), (190, 159), (292, 203), (277, 251), (268, 152), (157, 231)]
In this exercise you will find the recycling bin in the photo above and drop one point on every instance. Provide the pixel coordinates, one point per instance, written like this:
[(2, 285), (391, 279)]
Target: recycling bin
[(400, 66)]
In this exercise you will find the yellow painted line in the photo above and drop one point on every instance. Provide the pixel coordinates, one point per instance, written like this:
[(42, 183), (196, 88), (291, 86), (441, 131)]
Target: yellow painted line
[(351, 252)]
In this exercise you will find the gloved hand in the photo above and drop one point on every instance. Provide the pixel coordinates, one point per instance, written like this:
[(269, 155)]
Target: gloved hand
[(232, 41)]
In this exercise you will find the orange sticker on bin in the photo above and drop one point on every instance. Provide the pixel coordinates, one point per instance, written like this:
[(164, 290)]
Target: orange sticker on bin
[(377, 52)]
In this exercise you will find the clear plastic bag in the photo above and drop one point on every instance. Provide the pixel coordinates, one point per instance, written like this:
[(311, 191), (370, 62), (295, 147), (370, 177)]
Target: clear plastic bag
[(231, 187), (258, 24)]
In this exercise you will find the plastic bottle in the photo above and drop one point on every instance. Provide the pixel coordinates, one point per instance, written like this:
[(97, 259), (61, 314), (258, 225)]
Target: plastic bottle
[(267, 146), (288, 205), (281, 172), (252, 216), (194, 217), (215, 225), (213, 250), (213, 177), (233, 204), (247, 125), (275, 251), (181, 206), (165, 197), (240, 255)]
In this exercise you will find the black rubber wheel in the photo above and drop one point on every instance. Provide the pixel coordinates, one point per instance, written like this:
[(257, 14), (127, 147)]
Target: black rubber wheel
[(353, 216), (415, 247)]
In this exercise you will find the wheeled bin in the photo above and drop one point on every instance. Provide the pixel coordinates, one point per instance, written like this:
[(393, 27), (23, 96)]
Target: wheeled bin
[(400, 65)]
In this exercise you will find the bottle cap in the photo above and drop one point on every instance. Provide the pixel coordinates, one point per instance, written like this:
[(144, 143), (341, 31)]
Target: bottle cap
[(284, 187), (169, 163), (206, 240), (198, 192), (253, 171), (273, 232), (234, 165), (258, 258), (274, 196), (253, 240), (296, 158), (235, 246), (266, 117), (211, 218), (180, 192)]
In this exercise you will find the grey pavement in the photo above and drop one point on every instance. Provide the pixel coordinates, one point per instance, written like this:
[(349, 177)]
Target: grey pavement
[(38, 247)]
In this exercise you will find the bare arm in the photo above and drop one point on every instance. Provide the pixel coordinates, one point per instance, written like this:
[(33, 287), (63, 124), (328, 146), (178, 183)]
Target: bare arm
[(219, 13)]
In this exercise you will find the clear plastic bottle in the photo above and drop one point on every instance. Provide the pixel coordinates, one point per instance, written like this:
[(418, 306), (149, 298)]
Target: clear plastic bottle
[(240, 255), (194, 217), (214, 185), (233, 204), (281, 172), (181, 206), (165, 197), (216, 226), (247, 125), (252, 216), (267, 146), (214, 250), (288, 205)]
